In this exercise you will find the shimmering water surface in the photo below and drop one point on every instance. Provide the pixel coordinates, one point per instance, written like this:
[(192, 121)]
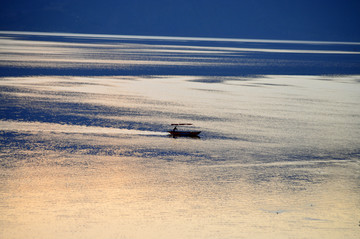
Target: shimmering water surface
[(84, 151)]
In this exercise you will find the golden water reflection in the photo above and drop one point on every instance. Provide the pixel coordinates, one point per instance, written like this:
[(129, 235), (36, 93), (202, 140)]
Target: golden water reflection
[(112, 197)]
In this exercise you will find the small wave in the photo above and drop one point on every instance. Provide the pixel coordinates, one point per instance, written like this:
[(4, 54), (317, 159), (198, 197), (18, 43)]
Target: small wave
[(76, 129)]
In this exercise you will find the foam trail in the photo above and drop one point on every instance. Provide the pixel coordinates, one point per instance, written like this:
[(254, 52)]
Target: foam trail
[(75, 129)]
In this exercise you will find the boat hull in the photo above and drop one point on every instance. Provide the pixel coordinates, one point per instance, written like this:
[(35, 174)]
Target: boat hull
[(184, 133)]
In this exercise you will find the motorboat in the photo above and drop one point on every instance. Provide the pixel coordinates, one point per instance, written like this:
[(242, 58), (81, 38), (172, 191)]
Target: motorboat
[(183, 133)]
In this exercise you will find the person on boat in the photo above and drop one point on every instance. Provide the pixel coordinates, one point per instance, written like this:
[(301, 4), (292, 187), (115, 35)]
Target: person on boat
[(174, 129)]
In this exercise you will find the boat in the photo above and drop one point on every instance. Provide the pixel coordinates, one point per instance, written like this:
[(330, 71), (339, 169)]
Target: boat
[(184, 133), (181, 133)]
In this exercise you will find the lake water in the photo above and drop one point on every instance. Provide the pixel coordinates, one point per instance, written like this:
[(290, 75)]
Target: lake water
[(84, 151)]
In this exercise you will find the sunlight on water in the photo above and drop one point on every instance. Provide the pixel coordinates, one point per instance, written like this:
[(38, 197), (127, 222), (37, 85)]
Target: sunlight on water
[(133, 37), (86, 154), (117, 55)]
